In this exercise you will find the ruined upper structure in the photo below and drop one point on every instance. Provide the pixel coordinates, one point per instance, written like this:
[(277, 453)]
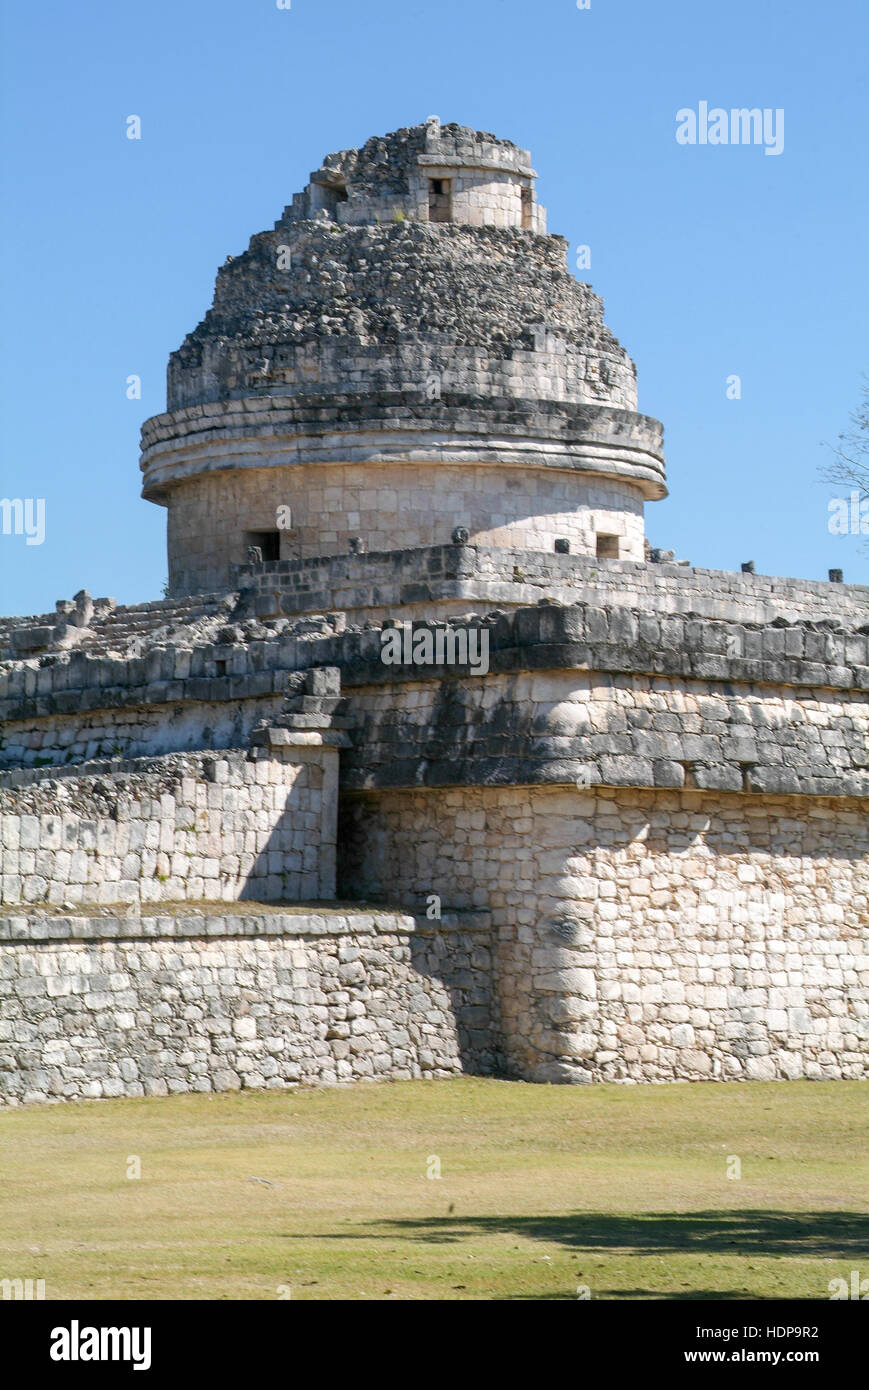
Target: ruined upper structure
[(404, 354)]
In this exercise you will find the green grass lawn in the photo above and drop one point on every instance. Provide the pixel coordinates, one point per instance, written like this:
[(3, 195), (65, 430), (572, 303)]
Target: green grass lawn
[(543, 1190)]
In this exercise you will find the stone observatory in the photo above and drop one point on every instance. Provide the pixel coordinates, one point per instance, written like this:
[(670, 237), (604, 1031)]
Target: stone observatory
[(428, 762), (404, 353)]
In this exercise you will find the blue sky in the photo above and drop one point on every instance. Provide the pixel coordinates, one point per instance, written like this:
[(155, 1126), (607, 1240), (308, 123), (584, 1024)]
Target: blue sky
[(711, 260)]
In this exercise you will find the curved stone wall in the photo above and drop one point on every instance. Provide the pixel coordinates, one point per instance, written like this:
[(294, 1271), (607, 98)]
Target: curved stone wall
[(491, 182), (644, 935), (376, 304), (212, 516), (663, 818), (406, 310)]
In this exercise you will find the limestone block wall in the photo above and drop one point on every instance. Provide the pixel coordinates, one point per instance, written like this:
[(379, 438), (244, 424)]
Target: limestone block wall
[(311, 378), (438, 579), (616, 729), (614, 779), (480, 197), (142, 730), (211, 515), (84, 707), (131, 1006), (180, 828), (643, 935), (544, 366), (627, 697)]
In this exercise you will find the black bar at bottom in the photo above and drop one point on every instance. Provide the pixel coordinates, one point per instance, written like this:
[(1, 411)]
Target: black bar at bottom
[(611, 1337)]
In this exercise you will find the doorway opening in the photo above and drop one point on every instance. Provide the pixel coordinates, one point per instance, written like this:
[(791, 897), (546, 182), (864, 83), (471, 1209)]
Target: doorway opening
[(440, 200)]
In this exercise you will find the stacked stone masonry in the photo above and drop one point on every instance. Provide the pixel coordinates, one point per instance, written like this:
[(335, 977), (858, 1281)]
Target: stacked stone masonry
[(173, 829), (238, 849), (446, 579), (391, 176), (526, 509), (422, 582), (646, 936), (121, 1006), (404, 352), (661, 818)]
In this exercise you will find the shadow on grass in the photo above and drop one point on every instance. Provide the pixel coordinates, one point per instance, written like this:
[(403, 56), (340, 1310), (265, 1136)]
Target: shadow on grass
[(649, 1295), (834, 1234)]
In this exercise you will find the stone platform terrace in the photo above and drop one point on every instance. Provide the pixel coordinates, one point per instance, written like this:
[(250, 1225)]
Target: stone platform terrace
[(237, 995)]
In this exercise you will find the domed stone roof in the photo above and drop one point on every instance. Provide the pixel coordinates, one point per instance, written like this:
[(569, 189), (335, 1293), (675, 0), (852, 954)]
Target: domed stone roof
[(498, 290), (407, 308)]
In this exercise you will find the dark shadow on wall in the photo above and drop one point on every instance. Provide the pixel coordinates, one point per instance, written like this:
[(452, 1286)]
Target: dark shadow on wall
[(362, 846), (288, 868), (371, 842), (462, 960)]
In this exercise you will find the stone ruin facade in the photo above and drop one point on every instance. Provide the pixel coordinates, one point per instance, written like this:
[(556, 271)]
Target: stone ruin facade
[(239, 848)]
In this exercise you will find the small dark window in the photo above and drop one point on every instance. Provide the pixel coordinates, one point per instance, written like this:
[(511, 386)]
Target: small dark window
[(607, 547), (269, 542), (527, 208), (440, 200)]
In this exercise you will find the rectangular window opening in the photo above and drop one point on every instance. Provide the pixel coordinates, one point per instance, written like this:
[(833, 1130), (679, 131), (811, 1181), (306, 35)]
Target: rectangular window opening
[(607, 547), (440, 200), (269, 542), (527, 208)]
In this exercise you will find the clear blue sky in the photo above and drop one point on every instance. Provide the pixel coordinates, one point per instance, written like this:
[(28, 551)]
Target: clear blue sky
[(711, 261)]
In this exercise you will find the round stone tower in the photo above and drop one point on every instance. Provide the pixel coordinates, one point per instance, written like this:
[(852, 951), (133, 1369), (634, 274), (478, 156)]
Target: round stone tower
[(404, 354)]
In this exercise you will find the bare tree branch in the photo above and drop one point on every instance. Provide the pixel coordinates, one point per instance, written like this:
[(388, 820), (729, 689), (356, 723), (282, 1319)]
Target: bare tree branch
[(850, 463)]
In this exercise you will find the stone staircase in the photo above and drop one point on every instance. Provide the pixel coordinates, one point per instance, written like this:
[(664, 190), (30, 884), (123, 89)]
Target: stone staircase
[(99, 626), (144, 624)]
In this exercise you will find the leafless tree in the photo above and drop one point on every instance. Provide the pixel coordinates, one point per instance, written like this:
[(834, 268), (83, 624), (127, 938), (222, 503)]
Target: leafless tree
[(849, 467), (850, 464)]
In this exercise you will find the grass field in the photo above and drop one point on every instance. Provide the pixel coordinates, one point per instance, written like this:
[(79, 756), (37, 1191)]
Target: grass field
[(543, 1191)]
